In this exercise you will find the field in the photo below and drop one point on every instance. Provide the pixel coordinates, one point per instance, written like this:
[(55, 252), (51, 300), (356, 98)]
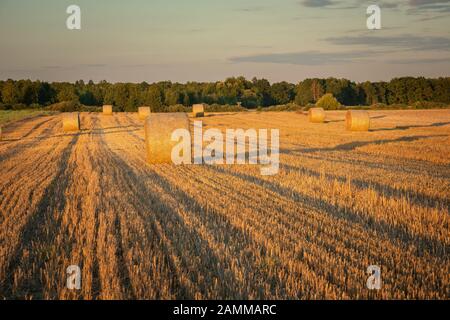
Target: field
[(342, 201), (7, 116)]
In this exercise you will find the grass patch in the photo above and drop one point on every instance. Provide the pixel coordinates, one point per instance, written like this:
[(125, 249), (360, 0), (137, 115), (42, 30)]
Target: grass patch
[(8, 116)]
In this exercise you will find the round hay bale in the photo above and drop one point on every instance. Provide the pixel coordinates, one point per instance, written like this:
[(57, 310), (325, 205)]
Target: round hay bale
[(71, 121), (0, 133), (357, 120), (198, 110), (107, 110), (144, 112), (316, 115), (158, 133)]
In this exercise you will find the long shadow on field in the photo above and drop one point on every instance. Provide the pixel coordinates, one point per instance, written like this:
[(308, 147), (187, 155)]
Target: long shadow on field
[(437, 124), (81, 132), (283, 220), (118, 127), (37, 126), (356, 144), (14, 126), (8, 140), (412, 196), (224, 232), (22, 144), (188, 248), (35, 231), (131, 132), (415, 167), (421, 243), (209, 115), (343, 120), (191, 246), (332, 121)]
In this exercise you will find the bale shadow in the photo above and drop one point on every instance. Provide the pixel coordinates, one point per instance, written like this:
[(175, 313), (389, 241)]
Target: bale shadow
[(400, 128), (160, 209), (83, 132), (211, 115), (356, 144), (117, 127), (33, 231), (414, 197), (418, 169), (179, 223), (9, 140), (14, 125), (22, 144)]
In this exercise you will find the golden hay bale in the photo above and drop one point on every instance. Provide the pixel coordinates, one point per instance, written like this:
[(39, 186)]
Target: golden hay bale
[(144, 112), (316, 115), (107, 110), (0, 133), (198, 110), (71, 121), (357, 120), (158, 133)]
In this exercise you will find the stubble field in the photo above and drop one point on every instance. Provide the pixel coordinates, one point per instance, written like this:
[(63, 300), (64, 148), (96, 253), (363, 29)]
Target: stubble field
[(342, 201)]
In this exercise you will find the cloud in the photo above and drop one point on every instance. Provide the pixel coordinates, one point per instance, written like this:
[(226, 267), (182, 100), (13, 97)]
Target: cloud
[(51, 67), (328, 4), (432, 17), (308, 58), (405, 41), (317, 3), (195, 30), (83, 65), (343, 5), (388, 5), (426, 2), (93, 65), (250, 9), (419, 7), (420, 61)]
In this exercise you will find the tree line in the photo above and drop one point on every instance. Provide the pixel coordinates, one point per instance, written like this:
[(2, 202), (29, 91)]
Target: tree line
[(233, 91)]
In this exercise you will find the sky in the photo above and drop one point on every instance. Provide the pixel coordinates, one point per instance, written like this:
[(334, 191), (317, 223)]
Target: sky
[(210, 40)]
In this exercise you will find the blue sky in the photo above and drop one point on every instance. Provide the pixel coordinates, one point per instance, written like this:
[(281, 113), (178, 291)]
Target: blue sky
[(209, 40)]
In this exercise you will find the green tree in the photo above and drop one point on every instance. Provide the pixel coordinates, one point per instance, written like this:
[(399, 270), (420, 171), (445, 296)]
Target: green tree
[(67, 93), (249, 99), (316, 90), (154, 98), (262, 89), (10, 94), (173, 97), (304, 94), (328, 102), (370, 93), (282, 92)]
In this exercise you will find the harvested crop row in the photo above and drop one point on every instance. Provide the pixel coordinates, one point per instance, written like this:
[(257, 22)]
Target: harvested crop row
[(210, 189), (163, 232)]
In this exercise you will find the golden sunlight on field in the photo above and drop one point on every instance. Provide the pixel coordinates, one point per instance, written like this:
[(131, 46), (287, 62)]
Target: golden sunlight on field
[(341, 201)]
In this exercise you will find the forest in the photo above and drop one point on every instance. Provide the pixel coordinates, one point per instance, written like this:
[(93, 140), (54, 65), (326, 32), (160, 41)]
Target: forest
[(255, 93)]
